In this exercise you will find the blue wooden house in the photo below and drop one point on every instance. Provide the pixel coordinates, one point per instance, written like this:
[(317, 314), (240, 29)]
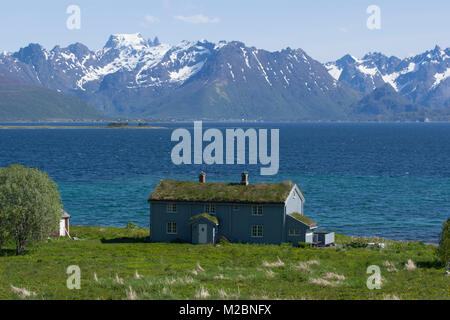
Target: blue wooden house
[(200, 212)]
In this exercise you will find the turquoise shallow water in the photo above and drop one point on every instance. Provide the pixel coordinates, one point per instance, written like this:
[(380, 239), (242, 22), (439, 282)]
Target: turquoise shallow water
[(390, 180)]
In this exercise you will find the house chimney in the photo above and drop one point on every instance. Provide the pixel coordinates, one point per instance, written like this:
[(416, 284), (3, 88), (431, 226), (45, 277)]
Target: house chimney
[(202, 177), (244, 180)]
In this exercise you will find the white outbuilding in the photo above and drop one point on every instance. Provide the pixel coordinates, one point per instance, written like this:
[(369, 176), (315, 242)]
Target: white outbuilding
[(64, 224)]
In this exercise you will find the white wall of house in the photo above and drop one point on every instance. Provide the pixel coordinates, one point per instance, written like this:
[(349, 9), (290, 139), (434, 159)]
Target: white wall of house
[(294, 202)]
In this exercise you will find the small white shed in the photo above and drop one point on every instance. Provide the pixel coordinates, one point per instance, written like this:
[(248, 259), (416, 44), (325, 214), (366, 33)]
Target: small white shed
[(64, 224)]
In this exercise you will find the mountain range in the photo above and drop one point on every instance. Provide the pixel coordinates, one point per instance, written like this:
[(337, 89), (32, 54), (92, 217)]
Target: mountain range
[(131, 77)]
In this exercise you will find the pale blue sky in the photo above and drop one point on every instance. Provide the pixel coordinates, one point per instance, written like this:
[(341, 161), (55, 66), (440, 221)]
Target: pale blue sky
[(325, 29)]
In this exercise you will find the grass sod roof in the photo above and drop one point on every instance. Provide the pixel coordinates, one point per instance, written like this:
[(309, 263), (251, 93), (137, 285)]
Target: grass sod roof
[(172, 190), (303, 219), (206, 216)]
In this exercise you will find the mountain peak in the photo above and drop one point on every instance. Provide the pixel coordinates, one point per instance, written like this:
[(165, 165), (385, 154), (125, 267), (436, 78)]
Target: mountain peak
[(133, 40)]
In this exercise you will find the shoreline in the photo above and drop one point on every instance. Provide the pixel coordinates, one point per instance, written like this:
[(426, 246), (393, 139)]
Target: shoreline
[(49, 127)]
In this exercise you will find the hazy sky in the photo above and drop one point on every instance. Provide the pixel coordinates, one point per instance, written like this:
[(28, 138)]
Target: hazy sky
[(326, 30)]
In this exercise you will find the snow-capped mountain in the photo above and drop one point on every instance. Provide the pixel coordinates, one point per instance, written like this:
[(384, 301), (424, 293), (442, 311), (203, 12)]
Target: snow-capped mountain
[(423, 79), (134, 76)]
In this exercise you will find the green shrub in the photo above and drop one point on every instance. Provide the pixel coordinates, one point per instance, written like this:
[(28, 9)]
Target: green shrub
[(304, 245), (357, 243), (132, 226), (443, 251), (223, 240)]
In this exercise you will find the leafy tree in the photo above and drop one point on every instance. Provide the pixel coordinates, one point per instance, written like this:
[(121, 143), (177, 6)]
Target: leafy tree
[(443, 250), (4, 230), (30, 205)]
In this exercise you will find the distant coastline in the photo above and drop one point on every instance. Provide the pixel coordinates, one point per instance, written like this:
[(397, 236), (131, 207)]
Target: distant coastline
[(54, 127)]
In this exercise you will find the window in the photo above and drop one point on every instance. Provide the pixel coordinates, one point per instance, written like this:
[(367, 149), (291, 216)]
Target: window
[(257, 231), (171, 227), (210, 208), (235, 207), (171, 208), (257, 210), (294, 232)]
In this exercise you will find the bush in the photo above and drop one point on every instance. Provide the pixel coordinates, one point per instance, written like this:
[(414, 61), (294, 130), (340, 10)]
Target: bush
[(443, 251), (304, 245), (132, 226), (30, 205), (223, 240), (357, 243)]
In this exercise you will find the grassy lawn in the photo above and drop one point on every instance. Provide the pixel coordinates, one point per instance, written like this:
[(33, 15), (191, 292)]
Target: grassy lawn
[(126, 267)]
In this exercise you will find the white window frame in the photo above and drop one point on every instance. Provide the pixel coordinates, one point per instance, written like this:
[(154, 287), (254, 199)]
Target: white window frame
[(295, 233), (171, 226), (257, 210), (257, 231), (171, 208), (210, 208)]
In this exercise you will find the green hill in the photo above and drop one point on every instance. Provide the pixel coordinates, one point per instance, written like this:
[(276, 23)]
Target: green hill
[(384, 103), (20, 101)]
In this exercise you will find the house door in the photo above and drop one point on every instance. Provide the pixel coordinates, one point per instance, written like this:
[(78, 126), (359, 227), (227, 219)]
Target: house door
[(202, 233)]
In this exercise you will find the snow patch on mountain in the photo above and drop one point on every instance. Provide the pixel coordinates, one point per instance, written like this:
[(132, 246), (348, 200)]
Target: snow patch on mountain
[(334, 71), (440, 77), (186, 72)]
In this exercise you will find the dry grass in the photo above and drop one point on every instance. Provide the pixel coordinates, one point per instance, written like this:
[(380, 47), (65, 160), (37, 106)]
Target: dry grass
[(198, 267), (202, 293), (305, 265), (137, 275), (391, 297), (270, 273), (276, 264), (187, 280), (323, 282), (222, 293), (118, 279), (331, 275), (220, 277), (388, 264), (23, 293), (95, 277), (170, 281), (410, 265), (131, 294)]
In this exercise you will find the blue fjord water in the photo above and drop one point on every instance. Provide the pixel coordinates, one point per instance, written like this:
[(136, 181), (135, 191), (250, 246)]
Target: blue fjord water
[(390, 180)]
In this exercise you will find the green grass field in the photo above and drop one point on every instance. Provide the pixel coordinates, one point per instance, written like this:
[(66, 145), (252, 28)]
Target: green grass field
[(119, 264)]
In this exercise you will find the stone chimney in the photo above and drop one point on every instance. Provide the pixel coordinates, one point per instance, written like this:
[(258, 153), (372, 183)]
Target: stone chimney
[(202, 177), (244, 180)]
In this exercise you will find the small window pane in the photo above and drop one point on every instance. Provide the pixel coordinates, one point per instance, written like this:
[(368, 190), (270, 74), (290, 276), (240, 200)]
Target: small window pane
[(172, 227), (257, 231), (172, 208), (257, 210), (210, 208)]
